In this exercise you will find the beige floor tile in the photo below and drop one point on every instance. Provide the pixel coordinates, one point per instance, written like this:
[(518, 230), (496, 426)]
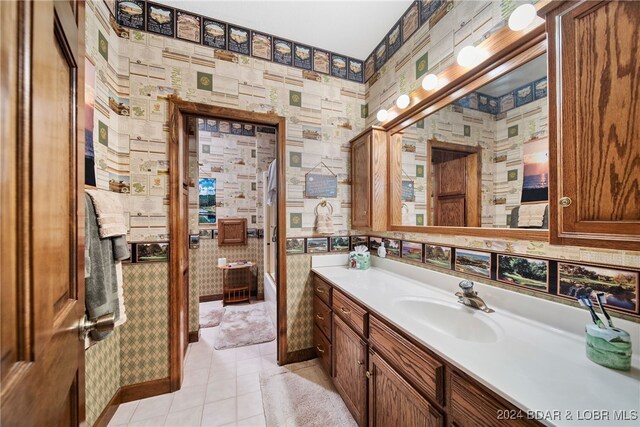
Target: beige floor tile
[(221, 390), (219, 413)]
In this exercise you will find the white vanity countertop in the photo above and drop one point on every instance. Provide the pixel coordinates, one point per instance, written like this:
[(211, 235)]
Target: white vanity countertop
[(538, 361)]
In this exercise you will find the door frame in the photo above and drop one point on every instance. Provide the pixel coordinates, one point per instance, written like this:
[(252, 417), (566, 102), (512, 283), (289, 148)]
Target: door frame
[(178, 109)]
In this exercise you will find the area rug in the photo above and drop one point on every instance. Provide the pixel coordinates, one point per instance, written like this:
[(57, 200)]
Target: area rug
[(211, 317), (240, 327), (302, 395)]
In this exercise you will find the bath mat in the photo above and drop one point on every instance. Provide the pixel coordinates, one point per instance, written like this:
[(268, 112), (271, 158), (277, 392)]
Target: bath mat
[(302, 395), (211, 317), (240, 327)]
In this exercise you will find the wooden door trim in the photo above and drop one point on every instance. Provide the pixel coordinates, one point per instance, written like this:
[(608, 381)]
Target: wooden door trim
[(178, 109)]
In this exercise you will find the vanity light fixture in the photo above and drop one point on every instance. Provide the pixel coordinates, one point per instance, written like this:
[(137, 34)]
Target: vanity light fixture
[(382, 115), (522, 17), (403, 101), (430, 82), (470, 56)]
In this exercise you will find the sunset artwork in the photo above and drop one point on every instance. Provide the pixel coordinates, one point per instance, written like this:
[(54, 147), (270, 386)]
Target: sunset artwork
[(535, 186)]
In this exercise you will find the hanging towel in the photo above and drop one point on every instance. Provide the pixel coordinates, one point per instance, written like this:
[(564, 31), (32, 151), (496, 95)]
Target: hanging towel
[(272, 183), (531, 215), (101, 286), (324, 221), (110, 213)]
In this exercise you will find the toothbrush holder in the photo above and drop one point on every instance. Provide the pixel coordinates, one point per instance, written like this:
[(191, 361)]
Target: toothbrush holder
[(609, 347)]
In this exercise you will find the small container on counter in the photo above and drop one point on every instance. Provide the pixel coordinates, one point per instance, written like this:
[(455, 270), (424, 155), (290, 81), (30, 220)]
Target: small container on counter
[(610, 347), (360, 258)]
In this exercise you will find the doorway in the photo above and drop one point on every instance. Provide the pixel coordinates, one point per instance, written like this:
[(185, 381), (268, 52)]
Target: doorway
[(455, 176), (179, 113)]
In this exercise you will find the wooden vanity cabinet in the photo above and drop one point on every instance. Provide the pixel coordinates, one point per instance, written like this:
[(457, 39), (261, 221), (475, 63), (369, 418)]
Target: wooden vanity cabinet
[(369, 180), (386, 379), (394, 402), (350, 369), (322, 333), (594, 124)]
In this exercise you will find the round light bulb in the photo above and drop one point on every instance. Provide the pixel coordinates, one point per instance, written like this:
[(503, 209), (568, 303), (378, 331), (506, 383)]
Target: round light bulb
[(430, 82), (403, 101), (470, 56), (522, 17), (382, 115)]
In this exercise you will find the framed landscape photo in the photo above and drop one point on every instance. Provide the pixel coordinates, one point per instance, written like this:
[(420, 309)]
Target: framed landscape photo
[(528, 272), (437, 255), (473, 262), (620, 287), (339, 244), (295, 245), (152, 252), (412, 251), (317, 244)]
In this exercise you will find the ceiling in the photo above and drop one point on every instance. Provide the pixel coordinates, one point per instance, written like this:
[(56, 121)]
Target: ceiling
[(351, 27), (527, 73)]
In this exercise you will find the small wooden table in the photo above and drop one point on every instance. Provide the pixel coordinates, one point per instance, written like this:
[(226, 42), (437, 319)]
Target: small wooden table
[(239, 292)]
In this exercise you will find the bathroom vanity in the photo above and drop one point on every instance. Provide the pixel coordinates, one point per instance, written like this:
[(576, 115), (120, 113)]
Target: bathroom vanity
[(402, 351)]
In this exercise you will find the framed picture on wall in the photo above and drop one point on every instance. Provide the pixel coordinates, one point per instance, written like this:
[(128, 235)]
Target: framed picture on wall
[(317, 244), (152, 252), (295, 245)]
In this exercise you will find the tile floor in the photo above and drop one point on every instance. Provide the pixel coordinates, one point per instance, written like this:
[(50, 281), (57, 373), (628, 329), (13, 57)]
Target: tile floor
[(220, 388)]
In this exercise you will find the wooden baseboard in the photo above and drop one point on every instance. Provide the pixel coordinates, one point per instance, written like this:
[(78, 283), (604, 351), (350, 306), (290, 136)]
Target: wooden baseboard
[(194, 336), (109, 411), (207, 298), (144, 390), (300, 355)]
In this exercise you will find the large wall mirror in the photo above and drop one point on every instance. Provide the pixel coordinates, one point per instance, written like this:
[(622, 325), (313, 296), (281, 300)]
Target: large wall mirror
[(481, 159)]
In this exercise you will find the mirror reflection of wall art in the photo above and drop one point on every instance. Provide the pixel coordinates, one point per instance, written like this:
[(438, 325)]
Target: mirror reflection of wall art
[(408, 191), (535, 186)]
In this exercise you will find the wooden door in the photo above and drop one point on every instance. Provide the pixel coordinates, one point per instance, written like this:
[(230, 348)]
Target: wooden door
[(450, 190), (594, 112), (42, 293), (361, 182), (349, 369), (394, 402)]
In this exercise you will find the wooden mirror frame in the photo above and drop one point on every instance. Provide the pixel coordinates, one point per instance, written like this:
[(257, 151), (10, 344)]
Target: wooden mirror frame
[(508, 50)]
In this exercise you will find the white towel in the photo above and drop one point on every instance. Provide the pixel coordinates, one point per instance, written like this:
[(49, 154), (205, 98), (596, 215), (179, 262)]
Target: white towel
[(272, 183), (119, 279), (109, 212), (531, 215)]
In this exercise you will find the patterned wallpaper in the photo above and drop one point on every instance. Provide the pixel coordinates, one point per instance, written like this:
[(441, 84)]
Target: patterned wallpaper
[(102, 375), (210, 276), (237, 163), (299, 303)]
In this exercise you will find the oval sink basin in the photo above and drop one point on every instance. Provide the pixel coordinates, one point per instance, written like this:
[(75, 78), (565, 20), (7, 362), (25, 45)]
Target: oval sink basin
[(452, 319)]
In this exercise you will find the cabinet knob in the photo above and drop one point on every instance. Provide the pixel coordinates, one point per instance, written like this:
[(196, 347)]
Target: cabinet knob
[(368, 374), (565, 201), (359, 362), (345, 311)]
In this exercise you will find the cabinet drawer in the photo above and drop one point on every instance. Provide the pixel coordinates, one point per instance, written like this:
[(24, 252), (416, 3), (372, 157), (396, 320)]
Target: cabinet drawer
[(322, 289), (322, 316), (348, 310), (471, 405), (323, 350), (425, 372)]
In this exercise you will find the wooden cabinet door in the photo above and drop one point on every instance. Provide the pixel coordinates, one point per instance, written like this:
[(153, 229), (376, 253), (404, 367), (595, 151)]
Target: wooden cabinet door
[(42, 211), (361, 182), (394, 402), (594, 111), (349, 369)]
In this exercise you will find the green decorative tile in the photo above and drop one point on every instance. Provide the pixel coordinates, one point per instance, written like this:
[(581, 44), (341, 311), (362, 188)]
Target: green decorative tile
[(420, 171), (420, 124), (419, 219), (205, 81), (467, 130), (103, 46), (422, 65), (295, 159), (103, 133), (254, 219), (364, 111), (254, 186), (295, 98), (512, 175), (295, 220), (512, 131)]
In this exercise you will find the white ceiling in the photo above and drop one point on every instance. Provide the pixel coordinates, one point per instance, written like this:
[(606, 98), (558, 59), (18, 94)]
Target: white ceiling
[(351, 27)]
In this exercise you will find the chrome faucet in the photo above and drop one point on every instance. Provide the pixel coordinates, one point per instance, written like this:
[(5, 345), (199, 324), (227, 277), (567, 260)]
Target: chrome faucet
[(470, 298)]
